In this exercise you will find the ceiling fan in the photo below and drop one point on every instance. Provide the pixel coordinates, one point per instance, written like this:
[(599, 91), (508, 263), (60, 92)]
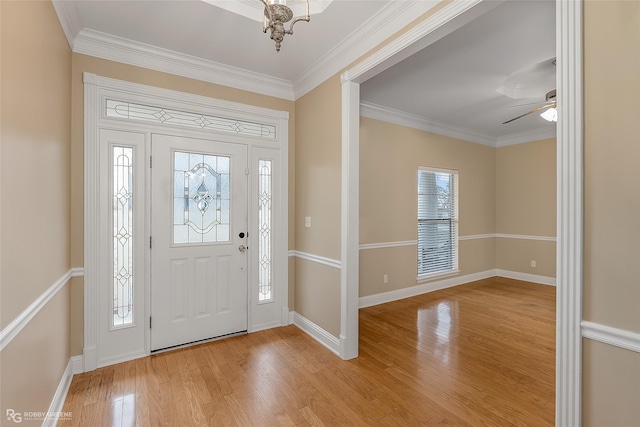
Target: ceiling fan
[(531, 82), (551, 113)]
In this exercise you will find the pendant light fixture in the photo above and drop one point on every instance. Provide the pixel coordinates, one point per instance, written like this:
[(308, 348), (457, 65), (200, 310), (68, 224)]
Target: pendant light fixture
[(276, 15)]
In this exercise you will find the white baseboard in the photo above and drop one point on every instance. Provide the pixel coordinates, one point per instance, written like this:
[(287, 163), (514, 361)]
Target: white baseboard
[(74, 366), (371, 300), (316, 332), (542, 280), (384, 297), (78, 364), (291, 313)]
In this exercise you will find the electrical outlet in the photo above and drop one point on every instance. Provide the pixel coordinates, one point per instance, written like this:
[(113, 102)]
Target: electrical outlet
[(385, 278), (307, 221), (533, 263)]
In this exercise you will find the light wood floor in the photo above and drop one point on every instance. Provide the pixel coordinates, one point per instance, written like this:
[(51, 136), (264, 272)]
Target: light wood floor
[(481, 354)]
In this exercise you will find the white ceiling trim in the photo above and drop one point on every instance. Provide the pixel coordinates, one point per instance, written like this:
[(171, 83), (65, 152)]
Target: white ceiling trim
[(443, 22), (522, 137), (69, 19), (385, 114), (392, 18), (118, 49), (384, 24)]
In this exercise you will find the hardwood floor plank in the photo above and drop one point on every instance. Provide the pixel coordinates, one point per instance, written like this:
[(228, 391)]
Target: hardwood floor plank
[(476, 354), (217, 413), (237, 411), (93, 390), (310, 418), (75, 400), (197, 417), (168, 405), (143, 378)]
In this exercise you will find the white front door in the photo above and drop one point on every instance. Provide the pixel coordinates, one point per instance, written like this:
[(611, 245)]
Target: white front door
[(199, 226)]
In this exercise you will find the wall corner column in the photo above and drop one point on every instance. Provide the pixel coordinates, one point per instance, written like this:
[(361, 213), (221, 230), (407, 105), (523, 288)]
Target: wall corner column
[(569, 250), (350, 213)]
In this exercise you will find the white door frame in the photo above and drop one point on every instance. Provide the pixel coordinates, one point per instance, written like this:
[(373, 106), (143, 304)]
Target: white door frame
[(271, 144), (569, 183)]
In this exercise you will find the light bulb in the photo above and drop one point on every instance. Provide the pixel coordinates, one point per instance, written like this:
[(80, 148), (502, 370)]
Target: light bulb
[(550, 114)]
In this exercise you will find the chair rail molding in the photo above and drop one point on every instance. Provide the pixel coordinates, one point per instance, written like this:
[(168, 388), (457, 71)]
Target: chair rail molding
[(334, 263), (609, 335), (13, 329)]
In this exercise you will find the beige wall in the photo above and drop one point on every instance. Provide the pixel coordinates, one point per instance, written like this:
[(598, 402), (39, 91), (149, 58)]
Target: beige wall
[(611, 377), (508, 190), (611, 384), (318, 169), (318, 195), (318, 192), (101, 67), (526, 188), (526, 205), (612, 164), (32, 365), (35, 154), (35, 228), (389, 160), (318, 294)]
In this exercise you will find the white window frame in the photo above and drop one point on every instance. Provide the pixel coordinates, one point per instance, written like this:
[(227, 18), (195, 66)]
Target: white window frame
[(454, 222)]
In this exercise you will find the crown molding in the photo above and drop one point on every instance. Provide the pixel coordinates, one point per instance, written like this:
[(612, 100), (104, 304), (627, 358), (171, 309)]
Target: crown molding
[(105, 46), (384, 24), (385, 114), (390, 19), (522, 137), (69, 19), (446, 20), (390, 115)]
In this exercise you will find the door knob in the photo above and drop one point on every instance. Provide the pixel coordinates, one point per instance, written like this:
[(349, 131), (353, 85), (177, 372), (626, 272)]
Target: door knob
[(242, 248)]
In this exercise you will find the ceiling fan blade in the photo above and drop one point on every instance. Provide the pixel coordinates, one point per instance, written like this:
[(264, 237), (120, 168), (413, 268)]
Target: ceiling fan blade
[(530, 103), (535, 110)]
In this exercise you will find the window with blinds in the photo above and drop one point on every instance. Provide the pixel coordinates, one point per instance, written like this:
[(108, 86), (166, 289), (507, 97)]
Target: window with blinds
[(437, 222)]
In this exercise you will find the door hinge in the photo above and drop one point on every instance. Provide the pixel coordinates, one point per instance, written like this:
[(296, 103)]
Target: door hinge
[(149, 322), (150, 241), (246, 171), (150, 161)]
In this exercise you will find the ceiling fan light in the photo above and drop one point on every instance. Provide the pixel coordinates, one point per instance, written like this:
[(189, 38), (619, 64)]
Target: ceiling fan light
[(550, 115)]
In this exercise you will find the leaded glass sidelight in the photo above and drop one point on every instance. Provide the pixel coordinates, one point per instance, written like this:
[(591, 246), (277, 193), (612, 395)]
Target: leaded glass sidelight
[(265, 227), (122, 205), (200, 198)]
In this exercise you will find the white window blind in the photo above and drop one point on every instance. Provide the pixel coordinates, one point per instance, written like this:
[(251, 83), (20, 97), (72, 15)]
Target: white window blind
[(437, 221)]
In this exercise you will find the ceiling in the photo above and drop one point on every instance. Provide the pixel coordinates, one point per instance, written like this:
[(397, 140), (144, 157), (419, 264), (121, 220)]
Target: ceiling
[(449, 87), (452, 82)]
